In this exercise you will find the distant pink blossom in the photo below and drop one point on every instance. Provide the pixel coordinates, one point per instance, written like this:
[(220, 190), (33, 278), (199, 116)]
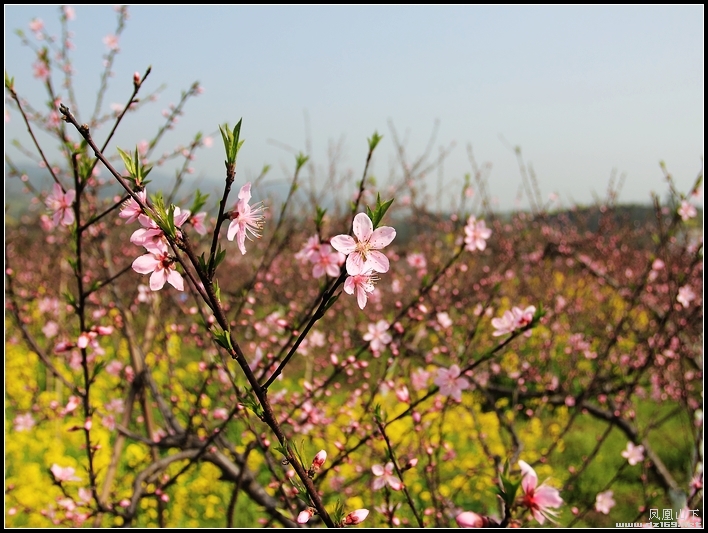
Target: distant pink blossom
[(326, 261), (71, 405), (512, 320), (220, 413), (64, 473), (158, 263), (685, 295), (604, 502), (539, 499), (450, 382), (419, 379), (111, 41), (61, 204), (444, 319), (417, 260), (50, 329), (197, 222), (362, 284), (505, 324), (36, 25), (686, 210), (23, 422), (312, 246), (378, 336), (476, 234), (385, 476), (69, 12), (633, 454), (245, 219), (362, 250)]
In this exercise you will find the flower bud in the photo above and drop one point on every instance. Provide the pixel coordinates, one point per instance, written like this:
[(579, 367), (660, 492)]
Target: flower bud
[(356, 517)]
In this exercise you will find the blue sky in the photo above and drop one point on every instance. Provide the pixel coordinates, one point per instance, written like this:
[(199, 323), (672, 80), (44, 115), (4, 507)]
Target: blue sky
[(582, 90)]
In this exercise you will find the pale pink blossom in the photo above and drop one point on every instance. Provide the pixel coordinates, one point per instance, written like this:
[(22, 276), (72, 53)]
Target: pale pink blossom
[(402, 394), (131, 210), (24, 422), (686, 210), (633, 454), (419, 379), (476, 234), (384, 476), (378, 336), (50, 329), (245, 219), (151, 233), (356, 517), (197, 222), (604, 502), (114, 367), (64, 473), (505, 324), (71, 405), (685, 295), (362, 250), (158, 263), (111, 41), (450, 382), (512, 320), (470, 519), (61, 204), (220, 413), (36, 25), (40, 70), (326, 261), (444, 319), (539, 499), (417, 260), (312, 246), (362, 284), (69, 12)]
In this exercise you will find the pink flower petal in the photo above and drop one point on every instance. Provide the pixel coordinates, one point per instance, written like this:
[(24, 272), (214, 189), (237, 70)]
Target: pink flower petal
[(363, 227)]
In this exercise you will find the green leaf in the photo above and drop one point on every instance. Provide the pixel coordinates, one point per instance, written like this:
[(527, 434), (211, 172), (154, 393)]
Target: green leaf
[(222, 338), (300, 160), (128, 162), (319, 217), (374, 141)]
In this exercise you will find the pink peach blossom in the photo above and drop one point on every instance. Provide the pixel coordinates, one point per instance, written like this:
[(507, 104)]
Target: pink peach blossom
[(476, 234), (362, 284), (158, 263), (362, 250), (539, 499), (384, 476), (604, 502), (61, 203), (245, 219), (450, 383), (633, 454)]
